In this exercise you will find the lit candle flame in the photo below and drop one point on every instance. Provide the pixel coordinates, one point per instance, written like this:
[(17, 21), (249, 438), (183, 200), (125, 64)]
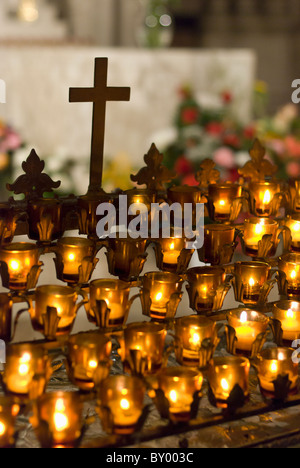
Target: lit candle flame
[(273, 366), (2, 428), (14, 265), (251, 282), (293, 274), (222, 202), (267, 197), (296, 227), (258, 228), (173, 396), (60, 419), (158, 296), (92, 364), (24, 367), (195, 338), (243, 317), (124, 403), (172, 246), (224, 384), (289, 313), (71, 257)]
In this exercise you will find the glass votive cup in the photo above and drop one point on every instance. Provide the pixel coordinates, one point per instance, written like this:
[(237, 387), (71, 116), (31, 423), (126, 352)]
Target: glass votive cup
[(254, 230), (271, 365), (62, 298), (87, 212), (123, 396), (146, 341), (294, 195), (8, 413), (70, 255), (191, 332), (115, 293), (45, 219), (180, 385), (25, 362), (8, 222), (61, 411), (157, 290), (218, 243), (289, 265), (86, 353), (203, 283), (261, 197), (293, 223), (247, 326), (185, 195), (221, 198), (288, 314), (224, 374), (6, 304), (20, 258), (126, 256), (170, 249), (249, 279)]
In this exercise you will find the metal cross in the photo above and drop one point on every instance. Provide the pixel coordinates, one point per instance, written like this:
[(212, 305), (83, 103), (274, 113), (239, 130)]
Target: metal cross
[(99, 95)]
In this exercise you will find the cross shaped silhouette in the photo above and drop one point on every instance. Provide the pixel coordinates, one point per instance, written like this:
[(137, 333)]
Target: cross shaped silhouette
[(99, 95)]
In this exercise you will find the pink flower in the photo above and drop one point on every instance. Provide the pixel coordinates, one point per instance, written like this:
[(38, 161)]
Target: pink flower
[(224, 157), (293, 169), (11, 142), (277, 145), (292, 146)]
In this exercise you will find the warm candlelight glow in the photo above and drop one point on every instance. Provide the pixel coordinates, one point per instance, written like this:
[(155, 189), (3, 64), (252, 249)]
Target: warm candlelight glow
[(2, 428), (224, 384), (266, 197), (288, 314), (251, 282), (124, 404), (158, 296), (258, 228), (61, 421), (247, 325), (173, 396)]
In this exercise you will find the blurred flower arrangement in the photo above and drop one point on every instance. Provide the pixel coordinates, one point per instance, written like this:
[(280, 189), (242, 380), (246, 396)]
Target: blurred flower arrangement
[(207, 132), (213, 132), (10, 142)]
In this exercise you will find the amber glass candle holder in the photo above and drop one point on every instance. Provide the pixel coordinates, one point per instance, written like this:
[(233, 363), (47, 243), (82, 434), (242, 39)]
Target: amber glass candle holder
[(27, 369), (196, 340), (8, 413), (6, 304), (184, 194), (8, 223), (289, 275), (87, 212), (206, 288), (75, 259), (138, 197), (120, 403), (172, 253), (276, 372), (161, 294), (293, 196), (219, 244), (252, 282), (88, 358), (109, 304), (228, 379), (264, 198), (144, 344), (293, 224), (260, 237), (222, 203), (125, 256), (286, 322), (49, 297), (246, 331), (45, 219), (61, 413), (181, 388), (22, 266)]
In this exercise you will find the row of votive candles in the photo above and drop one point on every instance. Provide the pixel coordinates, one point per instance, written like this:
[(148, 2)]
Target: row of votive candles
[(73, 253), (123, 396)]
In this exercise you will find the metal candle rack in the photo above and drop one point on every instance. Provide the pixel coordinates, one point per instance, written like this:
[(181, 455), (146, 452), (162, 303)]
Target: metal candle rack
[(45, 217)]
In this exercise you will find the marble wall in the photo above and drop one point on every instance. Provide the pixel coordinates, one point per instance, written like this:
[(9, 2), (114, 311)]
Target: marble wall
[(38, 81)]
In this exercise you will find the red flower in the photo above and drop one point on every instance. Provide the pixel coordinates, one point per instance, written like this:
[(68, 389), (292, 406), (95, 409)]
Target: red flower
[(226, 97), (190, 180), (232, 140), (214, 128), (183, 166), (249, 132), (189, 115)]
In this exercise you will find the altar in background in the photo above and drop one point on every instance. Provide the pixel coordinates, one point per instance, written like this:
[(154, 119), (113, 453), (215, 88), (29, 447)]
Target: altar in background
[(38, 79)]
